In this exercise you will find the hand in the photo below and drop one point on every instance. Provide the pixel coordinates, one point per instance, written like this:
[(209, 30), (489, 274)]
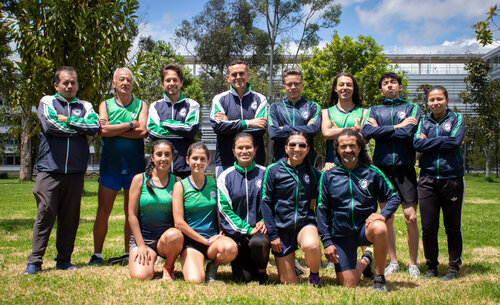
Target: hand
[(372, 122), (328, 166), (281, 127), (331, 254), (142, 257), (406, 122), (212, 239), (259, 227), (62, 118), (374, 217), (257, 123), (422, 136), (221, 116), (333, 124), (276, 245), (103, 122), (357, 126), (310, 121)]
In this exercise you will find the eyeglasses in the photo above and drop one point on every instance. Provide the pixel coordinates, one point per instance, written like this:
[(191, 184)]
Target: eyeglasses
[(240, 74), (301, 145), (291, 84)]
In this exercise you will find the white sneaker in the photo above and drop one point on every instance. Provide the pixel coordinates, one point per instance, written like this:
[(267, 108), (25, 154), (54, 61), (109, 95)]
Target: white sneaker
[(413, 270), (392, 268)]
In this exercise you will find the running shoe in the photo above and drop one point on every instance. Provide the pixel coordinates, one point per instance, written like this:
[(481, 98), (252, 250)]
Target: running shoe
[(431, 273), (210, 273), (370, 268), (32, 269), (392, 268), (451, 275), (299, 270), (314, 280), (65, 265), (379, 284), (94, 260), (121, 260), (413, 270)]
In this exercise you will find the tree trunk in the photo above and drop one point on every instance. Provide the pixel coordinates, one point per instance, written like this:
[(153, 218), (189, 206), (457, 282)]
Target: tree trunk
[(270, 101), (26, 170)]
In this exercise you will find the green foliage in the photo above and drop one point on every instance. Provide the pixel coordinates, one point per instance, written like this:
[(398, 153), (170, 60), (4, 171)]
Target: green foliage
[(147, 71), (482, 94), (484, 29), (421, 98), (362, 57), (222, 32)]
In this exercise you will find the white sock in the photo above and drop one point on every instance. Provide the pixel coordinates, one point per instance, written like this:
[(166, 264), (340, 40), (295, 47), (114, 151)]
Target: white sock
[(98, 255)]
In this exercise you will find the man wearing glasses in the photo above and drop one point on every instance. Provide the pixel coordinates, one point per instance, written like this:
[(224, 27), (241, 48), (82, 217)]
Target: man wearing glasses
[(293, 113), (238, 109)]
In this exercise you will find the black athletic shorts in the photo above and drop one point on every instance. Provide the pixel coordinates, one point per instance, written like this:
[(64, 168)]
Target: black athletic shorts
[(190, 243), (404, 180)]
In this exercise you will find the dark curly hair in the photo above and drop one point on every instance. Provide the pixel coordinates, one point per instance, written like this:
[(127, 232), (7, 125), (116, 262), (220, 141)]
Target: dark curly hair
[(357, 97), (363, 154)]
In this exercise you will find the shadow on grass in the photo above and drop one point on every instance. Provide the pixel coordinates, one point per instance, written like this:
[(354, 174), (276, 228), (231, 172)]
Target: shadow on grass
[(479, 268), (17, 224)]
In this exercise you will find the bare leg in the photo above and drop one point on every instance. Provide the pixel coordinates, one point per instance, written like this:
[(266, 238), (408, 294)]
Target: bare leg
[(391, 235), (170, 246), (141, 272), (376, 232), (410, 212), (224, 250), (308, 240), (105, 200), (192, 262), (286, 268), (126, 230)]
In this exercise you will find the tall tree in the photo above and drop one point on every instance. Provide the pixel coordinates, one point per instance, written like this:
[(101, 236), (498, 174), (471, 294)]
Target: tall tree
[(363, 58), (421, 98), (147, 68), (223, 31), (283, 16), (92, 36), (483, 95)]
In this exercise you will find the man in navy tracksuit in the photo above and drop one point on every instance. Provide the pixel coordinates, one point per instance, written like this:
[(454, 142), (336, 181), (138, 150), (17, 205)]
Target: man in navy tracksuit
[(62, 162), (393, 125), (175, 118), (294, 113), (238, 109), (346, 212), (240, 192)]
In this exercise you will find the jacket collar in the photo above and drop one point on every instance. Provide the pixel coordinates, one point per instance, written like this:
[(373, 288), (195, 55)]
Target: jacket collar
[(243, 169), (167, 99), (431, 116), (398, 100), (233, 91), (61, 98)]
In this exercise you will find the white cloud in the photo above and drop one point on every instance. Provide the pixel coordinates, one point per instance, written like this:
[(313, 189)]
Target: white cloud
[(427, 19), (167, 18), (460, 46)]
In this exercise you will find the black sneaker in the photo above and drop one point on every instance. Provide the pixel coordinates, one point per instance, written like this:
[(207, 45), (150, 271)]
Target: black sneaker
[(94, 260), (451, 275), (121, 260), (32, 269), (370, 269), (431, 273), (262, 278), (379, 284)]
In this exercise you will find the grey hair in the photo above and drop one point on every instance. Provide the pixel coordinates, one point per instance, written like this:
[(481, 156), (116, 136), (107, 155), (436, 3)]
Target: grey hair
[(115, 75)]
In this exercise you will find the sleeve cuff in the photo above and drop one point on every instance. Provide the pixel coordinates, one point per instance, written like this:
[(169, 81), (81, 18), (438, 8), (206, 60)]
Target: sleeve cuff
[(248, 231), (244, 124), (68, 120), (327, 243)]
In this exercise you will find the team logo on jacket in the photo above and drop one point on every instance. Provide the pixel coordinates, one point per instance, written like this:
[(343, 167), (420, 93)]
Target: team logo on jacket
[(363, 183), (76, 112), (447, 126), (254, 105), (212, 193), (258, 183), (183, 112), (307, 179), (305, 115), (401, 115)]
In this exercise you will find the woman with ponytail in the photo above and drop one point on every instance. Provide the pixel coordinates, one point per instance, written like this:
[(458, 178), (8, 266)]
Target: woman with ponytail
[(150, 216)]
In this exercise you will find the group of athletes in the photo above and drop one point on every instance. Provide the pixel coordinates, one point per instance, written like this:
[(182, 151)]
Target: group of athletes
[(175, 210)]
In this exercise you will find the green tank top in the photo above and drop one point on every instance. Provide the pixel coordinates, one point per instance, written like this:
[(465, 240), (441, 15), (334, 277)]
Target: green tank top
[(200, 207), (122, 156), (342, 120), (155, 209)]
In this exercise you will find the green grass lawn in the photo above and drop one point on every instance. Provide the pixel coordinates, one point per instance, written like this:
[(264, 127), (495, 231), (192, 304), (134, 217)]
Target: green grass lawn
[(479, 282)]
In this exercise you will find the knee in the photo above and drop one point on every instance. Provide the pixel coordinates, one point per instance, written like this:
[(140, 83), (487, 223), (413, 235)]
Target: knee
[(230, 250), (377, 229), (311, 246), (258, 242), (193, 278), (173, 235), (142, 275)]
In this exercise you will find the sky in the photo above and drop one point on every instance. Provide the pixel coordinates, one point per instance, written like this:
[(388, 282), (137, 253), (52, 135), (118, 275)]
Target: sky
[(400, 26)]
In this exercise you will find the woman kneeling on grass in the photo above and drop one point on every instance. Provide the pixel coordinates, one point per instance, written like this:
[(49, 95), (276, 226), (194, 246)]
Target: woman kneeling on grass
[(195, 214), (441, 184), (288, 201), (150, 216)]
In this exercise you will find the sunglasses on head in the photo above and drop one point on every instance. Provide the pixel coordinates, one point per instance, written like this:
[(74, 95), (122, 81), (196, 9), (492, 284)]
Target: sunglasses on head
[(301, 145)]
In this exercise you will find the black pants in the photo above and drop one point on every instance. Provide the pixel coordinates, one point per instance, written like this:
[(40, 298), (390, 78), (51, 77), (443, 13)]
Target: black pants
[(433, 195), (57, 195), (253, 254)]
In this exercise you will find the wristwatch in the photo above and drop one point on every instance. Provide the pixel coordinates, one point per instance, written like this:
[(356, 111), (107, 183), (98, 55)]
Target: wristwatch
[(131, 125)]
